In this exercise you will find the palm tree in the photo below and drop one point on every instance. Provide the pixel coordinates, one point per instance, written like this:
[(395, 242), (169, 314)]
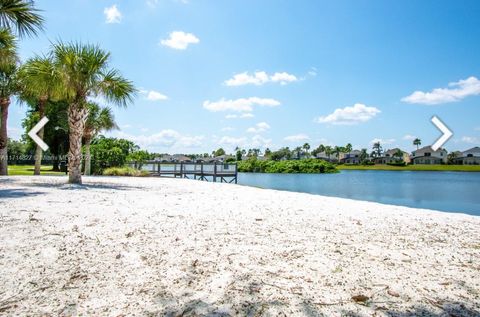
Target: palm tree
[(99, 119), (41, 83), (417, 142), (298, 151), (328, 151), (364, 156), (306, 147), (377, 149), (85, 73), (9, 86), (348, 148), (21, 16), (399, 155)]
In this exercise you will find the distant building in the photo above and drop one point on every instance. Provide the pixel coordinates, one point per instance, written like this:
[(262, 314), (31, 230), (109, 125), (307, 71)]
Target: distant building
[(469, 157), (352, 157), (426, 155), (389, 157), (176, 158), (329, 158)]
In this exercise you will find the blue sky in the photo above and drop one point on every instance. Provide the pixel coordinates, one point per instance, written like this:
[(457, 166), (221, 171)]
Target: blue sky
[(275, 73)]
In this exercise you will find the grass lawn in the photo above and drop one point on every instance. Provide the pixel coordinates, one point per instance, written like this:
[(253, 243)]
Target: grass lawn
[(457, 168), (28, 170)]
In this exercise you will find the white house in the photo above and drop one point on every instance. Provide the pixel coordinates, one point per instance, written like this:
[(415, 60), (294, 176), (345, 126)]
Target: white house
[(426, 155), (352, 157), (469, 157)]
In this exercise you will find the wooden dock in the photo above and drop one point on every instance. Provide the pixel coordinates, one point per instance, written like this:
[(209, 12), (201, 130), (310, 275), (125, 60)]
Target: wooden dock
[(221, 172)]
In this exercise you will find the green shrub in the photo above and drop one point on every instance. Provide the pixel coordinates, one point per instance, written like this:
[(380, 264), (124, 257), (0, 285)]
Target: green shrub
[(124, 171), (310, 166)]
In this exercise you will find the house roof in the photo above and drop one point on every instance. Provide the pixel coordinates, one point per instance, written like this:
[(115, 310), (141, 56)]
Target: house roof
[(475, 149), (428, 148)]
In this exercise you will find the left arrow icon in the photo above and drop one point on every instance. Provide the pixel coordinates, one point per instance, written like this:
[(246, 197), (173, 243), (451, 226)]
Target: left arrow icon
[(33, 133)]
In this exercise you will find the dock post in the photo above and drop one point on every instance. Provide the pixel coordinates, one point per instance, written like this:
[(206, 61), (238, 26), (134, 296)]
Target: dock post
[(181, 169), (215, 171), (236, 172)]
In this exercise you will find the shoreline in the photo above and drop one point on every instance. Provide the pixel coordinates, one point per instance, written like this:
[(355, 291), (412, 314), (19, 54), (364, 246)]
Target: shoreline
[(118, 245)]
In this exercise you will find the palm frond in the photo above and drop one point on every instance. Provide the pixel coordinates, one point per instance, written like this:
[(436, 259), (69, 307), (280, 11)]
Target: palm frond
[(21, 16)]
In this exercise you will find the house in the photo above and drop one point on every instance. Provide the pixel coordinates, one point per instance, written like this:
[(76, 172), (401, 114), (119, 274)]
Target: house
[(223, 158), (426, 155), (329, 158), (176, 158), (390, 156), (469, 157), (353, 157)]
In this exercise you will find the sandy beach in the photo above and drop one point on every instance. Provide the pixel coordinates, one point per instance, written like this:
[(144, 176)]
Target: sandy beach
[(174, 247)]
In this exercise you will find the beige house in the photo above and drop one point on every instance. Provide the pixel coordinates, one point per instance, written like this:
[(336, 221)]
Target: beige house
[(390, 157), (426, 155)]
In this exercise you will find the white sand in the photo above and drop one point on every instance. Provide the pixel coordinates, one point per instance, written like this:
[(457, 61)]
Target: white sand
[(149, 246)]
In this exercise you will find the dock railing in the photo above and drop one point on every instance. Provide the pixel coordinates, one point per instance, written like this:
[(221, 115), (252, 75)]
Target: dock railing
[(216, 171)]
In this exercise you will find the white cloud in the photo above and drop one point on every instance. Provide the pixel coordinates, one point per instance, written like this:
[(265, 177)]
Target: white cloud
[(112, 14), (240, 105), (470, 140), (255, 141), (231, 141), (297, 138), (259, 127), (240, 116), (152, 3), (126, 126), (260, 78), (477, 129), (165, 138), (258, 141), (153, 95), (283, 78), (358, 113), (383, 141), (456, 92), (409, 137), (312, 72), (180, 40), (227, 129)]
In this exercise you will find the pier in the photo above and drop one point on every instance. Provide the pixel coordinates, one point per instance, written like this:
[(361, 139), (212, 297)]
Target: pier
[(216, 172)]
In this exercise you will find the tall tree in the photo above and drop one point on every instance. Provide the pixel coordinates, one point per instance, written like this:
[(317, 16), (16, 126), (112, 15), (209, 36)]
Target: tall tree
[(306, 147), (85, 72), (348, 148), (99, 119), (377, 149), (40, 82), (9, 86), (417, 142), (21, 16)]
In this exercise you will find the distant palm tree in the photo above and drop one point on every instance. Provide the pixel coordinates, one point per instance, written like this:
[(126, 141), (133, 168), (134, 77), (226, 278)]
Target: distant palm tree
[(399, 155), (364, 156), (9, 86), (40, 83), (306, 147), (328, 151), (99, 119), (21, 16), (377, 149), (85, 72), (298, 151), (348, 148), (417, 142)]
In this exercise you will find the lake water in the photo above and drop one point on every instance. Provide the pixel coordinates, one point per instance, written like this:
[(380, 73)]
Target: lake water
[(445, 191)]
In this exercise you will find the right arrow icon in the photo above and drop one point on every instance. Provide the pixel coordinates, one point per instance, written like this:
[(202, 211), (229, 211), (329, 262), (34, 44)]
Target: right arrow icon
[(447, 133)]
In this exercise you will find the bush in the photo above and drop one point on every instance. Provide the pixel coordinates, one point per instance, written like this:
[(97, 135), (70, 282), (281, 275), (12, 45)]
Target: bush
[(310, 166), (124, 171)]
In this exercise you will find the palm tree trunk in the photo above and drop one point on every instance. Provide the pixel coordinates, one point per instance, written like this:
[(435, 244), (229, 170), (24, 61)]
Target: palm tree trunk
[(77, 115), (88, 159), (38, 150), (4, 103)]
